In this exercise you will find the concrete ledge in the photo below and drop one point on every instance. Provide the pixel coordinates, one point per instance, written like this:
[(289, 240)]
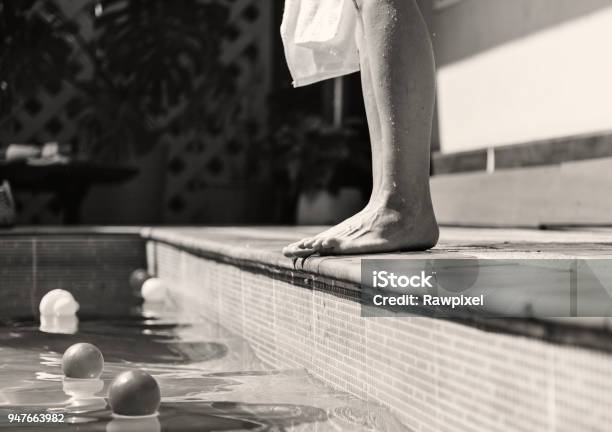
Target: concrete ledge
[(257, 250), (261, 246), (573, 193)]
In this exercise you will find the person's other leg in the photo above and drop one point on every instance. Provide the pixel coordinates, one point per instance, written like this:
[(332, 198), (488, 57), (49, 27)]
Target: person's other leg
[(400, 57)]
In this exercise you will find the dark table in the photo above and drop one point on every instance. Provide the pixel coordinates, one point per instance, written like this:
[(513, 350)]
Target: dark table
[(70, 180)]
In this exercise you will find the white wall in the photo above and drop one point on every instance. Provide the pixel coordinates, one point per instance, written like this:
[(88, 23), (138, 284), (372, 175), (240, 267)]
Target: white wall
[(546, 76)]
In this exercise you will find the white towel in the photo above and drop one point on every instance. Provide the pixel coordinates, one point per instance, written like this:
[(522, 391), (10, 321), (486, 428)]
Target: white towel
[(320, 39)]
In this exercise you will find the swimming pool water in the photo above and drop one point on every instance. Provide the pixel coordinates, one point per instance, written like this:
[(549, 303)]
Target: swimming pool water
[(210, 380)]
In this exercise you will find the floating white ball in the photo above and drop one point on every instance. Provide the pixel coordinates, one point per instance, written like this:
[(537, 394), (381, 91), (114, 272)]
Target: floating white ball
[(154, 290), (65, 306), (82, 361), (48, 300), (134, 393), (58, 302)]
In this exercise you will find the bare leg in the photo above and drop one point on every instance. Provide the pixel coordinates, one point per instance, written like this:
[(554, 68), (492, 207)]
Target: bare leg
[(399, 59), (374, 127)]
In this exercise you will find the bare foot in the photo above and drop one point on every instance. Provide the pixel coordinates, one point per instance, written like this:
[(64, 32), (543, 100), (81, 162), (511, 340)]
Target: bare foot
[(375, 230), (308, 242), (342, 227)]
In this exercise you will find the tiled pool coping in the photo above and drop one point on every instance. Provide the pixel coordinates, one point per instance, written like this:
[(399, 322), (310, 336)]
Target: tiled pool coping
[(258, 250), (262, 246)]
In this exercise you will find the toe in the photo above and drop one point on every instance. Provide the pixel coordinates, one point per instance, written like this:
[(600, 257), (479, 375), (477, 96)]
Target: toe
[(289, 251), (295, 251), (330, 244), (295, 245), (318, 244), (309, 242)]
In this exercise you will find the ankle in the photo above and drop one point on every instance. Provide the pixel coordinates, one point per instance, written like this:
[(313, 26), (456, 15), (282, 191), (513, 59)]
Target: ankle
[(413, 201)]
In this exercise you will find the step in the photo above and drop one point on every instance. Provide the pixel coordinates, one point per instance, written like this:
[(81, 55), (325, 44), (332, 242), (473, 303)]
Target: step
[(567, 194)]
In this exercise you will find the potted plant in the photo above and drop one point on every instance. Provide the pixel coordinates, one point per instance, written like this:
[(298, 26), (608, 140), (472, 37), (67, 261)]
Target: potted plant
[(156, 68), (327, 167)]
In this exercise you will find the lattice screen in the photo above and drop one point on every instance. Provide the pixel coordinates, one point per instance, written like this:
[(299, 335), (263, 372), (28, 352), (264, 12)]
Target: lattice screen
[(192, 168), (199, 172), (44, 119)]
